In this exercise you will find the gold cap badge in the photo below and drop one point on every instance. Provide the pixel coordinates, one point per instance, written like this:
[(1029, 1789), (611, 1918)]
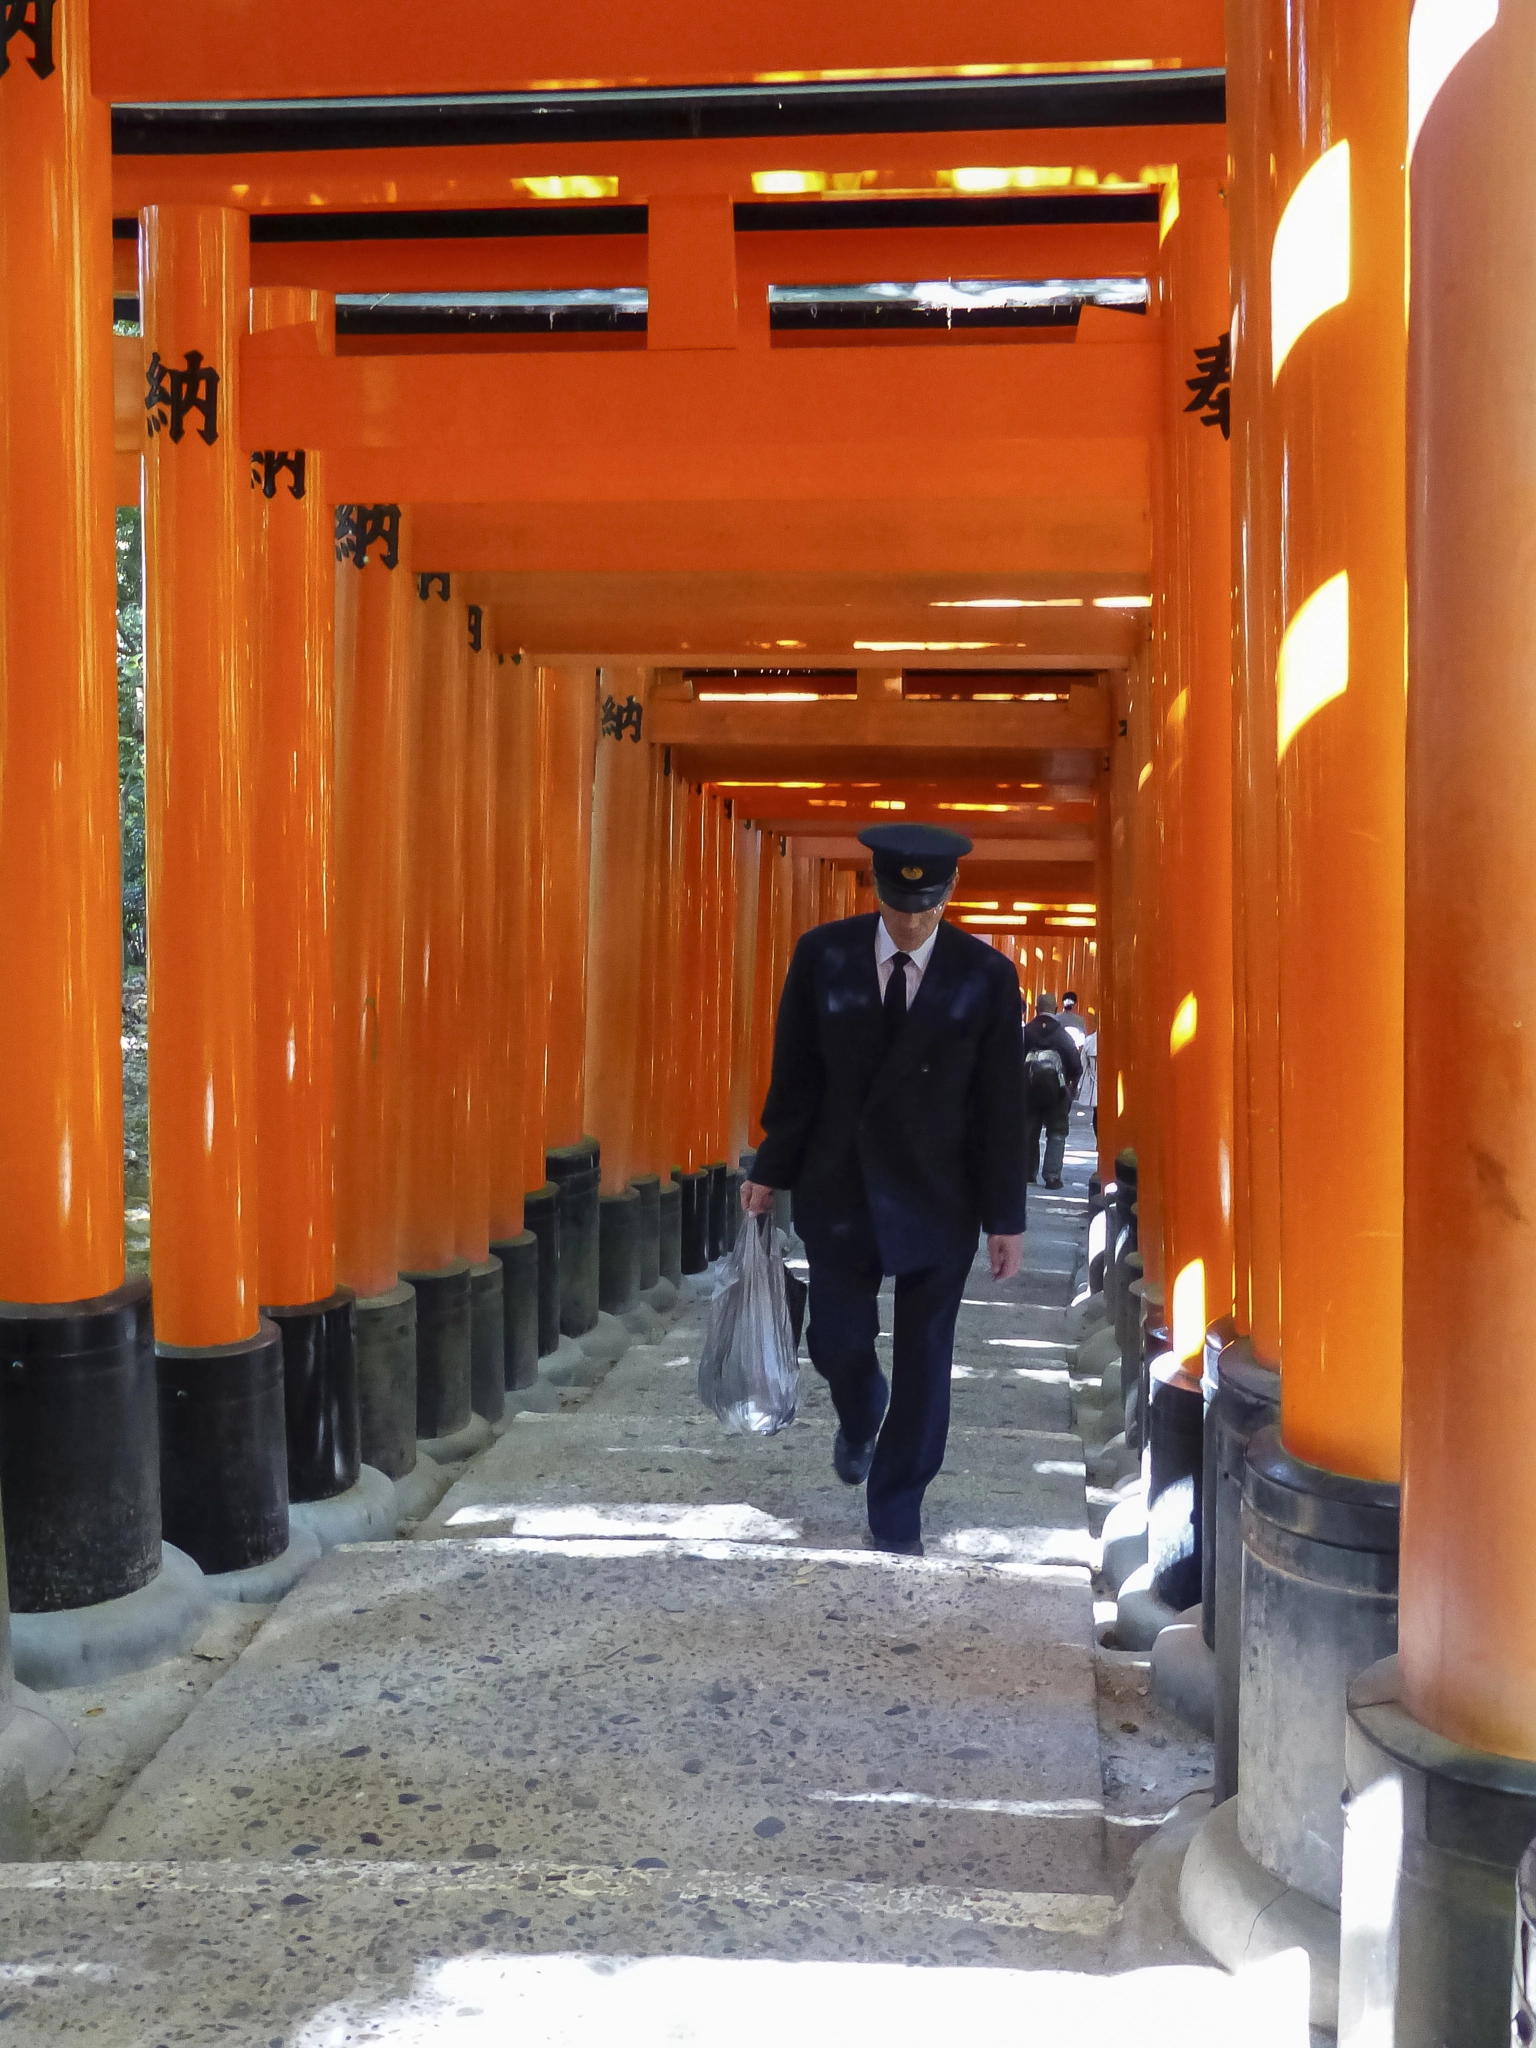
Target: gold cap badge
[(911, 874)]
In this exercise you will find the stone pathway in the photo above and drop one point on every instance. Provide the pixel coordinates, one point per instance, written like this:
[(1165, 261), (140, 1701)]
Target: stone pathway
[(635, 1739)]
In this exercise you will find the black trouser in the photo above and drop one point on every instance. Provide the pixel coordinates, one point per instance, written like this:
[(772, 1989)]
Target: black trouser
[(912, 1416), (1055, 1123)]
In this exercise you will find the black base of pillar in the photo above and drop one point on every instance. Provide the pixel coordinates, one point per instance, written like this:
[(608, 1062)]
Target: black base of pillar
[(79, 1449), (1176, 1482), (442, 1349), (487, 1340), (618, 1256), (575, 1171), (716, 1169), (384, 1345), (519, 1258), (1247, 1400), (224, 1451), (1440, 1831), (669, 1232), (648, 1229), (694, 1193), (1319, 1603), (320, 1399), (541, 1215), (1128, 1324), (732, 1224)]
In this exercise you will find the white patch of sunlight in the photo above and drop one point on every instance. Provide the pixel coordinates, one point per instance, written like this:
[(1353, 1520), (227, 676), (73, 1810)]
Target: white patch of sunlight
[(1025, 1546), (570, 2001), (1373, 1846), (1026, 1343), (1440, 34), (1119, 1094), (1186, 1022), (1016, 1809), (1309, 263), (1314, 658), (719, 1521), (1061, 1468), (1189, 1312)]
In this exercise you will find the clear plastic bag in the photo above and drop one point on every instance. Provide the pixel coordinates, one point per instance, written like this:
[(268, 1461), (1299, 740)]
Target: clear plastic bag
[(749, 1372)]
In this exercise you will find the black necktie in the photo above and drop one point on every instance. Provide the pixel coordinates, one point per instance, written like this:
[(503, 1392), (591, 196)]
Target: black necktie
[(896, 997)]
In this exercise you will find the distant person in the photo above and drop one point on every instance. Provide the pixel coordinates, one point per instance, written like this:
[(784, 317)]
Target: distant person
[(1072, 1021), (1088, 1093), (1053, 1066), (894, 1116)]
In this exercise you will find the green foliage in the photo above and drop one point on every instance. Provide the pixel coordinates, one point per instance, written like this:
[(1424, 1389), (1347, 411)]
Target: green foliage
[(130, 725)]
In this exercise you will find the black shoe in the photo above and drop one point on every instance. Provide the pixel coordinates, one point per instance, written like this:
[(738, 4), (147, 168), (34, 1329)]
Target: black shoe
[(895, 1548), (851, 1462), (1053, 1183)]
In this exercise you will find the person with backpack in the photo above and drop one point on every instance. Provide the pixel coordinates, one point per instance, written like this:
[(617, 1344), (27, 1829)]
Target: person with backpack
[(1053, 1066)]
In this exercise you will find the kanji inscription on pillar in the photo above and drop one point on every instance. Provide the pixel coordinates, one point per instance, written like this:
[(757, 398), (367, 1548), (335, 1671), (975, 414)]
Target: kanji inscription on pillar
[(34, 20), (1212, 386), (269, 464), (425, 581), (173, 396), (360, 527), (618, 719), (476, 628)]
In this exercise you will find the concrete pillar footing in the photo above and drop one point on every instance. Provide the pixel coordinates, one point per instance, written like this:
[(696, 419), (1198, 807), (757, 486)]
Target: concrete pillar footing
[(570, 1366), (84, 1645), (1140, 1617), (663, 1297), (365, 1513), (1184, 1672), (608, 1340), (257, 1585), (476, 1436), (36, 1741), (1433, 1839), (1240, 1914), (1124, 1540), (643, 1323), (420, 1490)]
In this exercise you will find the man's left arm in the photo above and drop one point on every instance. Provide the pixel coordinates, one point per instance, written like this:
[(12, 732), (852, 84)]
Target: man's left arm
[(999, 1109)]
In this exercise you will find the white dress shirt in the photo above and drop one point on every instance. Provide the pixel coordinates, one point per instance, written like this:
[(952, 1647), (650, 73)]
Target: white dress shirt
[(886, 950)]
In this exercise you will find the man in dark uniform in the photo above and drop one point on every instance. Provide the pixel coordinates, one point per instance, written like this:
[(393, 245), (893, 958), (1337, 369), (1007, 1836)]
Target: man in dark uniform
[(895, 1114)]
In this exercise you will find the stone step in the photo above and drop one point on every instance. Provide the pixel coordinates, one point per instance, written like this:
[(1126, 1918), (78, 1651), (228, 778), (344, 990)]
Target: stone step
[(743, 1707), (1002, 1493)]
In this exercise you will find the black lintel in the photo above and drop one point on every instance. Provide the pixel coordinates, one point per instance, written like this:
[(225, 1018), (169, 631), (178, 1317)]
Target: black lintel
[(913, 106)]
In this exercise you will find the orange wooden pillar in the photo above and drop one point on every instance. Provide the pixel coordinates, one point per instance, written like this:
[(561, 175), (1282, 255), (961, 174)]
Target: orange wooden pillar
[(472, 1083), (80, 1488), (1450, 1729), (515, 887), (1320, 1517), (293, 615), (1336, 415), (434, 823), (1253, 45), (568, 762), (1105, 1005), (748, 840), (1150, 1067), (1468, 1635), (571, 1154), (224, 1481), (375, 601), (1196, 774), (616, 935)]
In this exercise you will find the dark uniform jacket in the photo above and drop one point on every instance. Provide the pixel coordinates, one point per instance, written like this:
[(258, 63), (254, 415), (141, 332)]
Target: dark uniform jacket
[(896, 1157), (1049, 1034)]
